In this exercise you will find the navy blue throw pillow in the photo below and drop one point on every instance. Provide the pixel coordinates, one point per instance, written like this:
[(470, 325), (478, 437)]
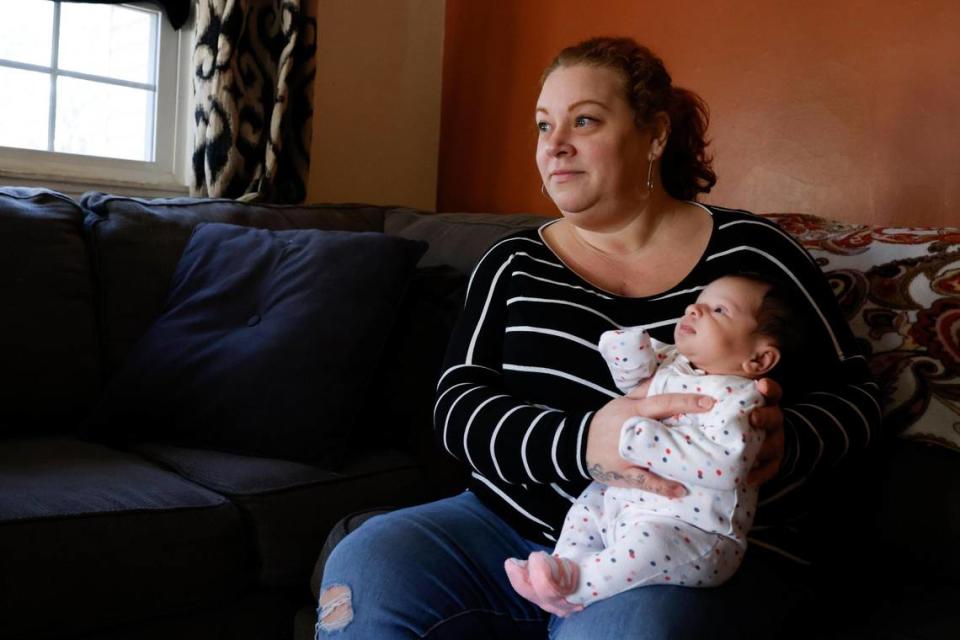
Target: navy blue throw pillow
[(267, 344)]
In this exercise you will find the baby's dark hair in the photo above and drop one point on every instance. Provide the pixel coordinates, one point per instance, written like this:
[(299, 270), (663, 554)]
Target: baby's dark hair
[(783, 316)]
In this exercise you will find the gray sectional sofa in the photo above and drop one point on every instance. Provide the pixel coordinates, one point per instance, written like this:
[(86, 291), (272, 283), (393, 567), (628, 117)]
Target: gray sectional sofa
[(156, 537), (136, 532)]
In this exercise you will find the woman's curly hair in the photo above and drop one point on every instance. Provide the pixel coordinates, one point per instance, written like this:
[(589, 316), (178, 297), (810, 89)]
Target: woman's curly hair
[(685, 167)]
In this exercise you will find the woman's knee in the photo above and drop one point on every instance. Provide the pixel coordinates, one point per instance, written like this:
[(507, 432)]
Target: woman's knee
[(349, 566), (371, 548), (448, 554), (335, 609)]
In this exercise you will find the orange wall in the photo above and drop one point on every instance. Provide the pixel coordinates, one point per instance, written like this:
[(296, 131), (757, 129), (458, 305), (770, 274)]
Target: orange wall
[(376, 102), (844, 108)]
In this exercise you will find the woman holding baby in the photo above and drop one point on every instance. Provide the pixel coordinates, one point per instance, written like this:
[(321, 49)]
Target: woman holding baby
[(528, 403)]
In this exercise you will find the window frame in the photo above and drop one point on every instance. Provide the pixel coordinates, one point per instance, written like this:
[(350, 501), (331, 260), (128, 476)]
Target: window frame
[(166, 175)]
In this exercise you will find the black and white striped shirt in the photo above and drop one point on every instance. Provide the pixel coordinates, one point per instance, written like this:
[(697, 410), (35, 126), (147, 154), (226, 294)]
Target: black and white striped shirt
[(523, 376)]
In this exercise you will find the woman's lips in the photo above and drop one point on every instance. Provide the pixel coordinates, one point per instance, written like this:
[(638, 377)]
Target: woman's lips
[(564, 176)]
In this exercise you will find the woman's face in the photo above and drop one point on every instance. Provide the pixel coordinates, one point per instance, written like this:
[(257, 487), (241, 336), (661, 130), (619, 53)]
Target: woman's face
[(592, 157)]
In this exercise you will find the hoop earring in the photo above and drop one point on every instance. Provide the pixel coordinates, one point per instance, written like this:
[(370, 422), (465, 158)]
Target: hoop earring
[(543, 190), (650, 177)]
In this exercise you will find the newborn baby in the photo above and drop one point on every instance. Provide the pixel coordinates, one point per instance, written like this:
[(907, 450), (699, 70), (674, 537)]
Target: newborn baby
[(614, 539)]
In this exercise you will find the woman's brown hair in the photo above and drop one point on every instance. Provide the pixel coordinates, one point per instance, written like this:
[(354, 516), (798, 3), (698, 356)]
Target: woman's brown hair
[(685, 168)]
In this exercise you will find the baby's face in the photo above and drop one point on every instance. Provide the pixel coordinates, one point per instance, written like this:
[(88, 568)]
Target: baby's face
[(718, 332)]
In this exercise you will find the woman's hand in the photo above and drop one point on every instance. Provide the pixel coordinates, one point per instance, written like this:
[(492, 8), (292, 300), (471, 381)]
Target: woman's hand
[(603, 440), (769, 418)]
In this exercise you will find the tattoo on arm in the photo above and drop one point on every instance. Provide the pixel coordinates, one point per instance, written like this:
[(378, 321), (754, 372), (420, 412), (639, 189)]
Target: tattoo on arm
[(601, 475)]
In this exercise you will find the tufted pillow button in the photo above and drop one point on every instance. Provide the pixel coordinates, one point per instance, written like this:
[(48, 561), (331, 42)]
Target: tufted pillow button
[(254, 320)]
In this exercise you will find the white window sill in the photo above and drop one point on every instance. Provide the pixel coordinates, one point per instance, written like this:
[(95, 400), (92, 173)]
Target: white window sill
[(165, 177), (75, 186)]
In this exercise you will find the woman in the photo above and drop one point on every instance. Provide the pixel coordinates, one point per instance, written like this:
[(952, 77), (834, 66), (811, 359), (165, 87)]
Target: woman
[(527, 403)]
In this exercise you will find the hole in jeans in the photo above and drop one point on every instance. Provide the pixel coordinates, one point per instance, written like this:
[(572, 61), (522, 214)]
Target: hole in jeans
[(335, 610)]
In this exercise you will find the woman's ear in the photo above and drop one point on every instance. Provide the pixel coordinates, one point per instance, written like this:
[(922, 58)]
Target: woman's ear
[(764, 359), (660, 133)]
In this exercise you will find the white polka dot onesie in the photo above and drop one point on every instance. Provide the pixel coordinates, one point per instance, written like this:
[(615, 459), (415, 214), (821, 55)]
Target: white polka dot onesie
[(625, 538)]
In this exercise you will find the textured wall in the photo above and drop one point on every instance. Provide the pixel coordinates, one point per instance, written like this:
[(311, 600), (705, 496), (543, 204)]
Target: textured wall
[(377, 102), (845, 109)]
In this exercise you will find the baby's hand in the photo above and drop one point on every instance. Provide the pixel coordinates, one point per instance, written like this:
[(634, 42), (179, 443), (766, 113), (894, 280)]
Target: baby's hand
[(629, 355), (640, 391)]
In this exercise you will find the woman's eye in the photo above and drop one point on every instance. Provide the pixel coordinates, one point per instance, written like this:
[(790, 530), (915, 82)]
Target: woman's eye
[(581, 121), (543, 126)]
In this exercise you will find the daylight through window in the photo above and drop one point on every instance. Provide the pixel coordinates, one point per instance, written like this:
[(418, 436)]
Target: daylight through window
[(79, 78)]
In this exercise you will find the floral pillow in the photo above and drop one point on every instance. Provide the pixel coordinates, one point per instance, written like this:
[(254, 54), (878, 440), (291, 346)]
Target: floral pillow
[(900, 290)]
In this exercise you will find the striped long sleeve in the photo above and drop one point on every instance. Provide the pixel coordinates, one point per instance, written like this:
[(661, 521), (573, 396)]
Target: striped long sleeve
[(523, 374), (484, 416)]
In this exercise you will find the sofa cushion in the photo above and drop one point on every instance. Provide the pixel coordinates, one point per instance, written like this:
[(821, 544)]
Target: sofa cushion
[(267, 342), (900, 291), (108, 537), (137, 243), (456, 239), (262, 614), (291, 506), (900, 613), (406, 386), (918, 515), (413, 357), (48, 338)]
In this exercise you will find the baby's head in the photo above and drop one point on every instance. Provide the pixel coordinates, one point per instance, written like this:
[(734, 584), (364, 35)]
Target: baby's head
[(740, 325)]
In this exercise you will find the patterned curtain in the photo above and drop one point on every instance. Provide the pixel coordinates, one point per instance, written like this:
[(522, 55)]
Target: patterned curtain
[(253, 84)]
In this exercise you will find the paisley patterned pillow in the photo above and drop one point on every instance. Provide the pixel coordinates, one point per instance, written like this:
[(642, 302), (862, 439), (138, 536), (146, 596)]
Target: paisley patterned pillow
[(900, 290)]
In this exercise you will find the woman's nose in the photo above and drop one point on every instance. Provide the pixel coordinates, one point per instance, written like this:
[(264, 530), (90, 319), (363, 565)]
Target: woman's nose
[(558, 144)]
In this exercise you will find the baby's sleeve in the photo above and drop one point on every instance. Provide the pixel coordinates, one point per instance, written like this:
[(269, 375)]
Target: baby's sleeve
[(715, 449), (630, 356)]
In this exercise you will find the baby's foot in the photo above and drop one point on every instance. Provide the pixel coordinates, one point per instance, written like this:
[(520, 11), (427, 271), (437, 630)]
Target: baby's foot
[(553, 579), (519, 575)]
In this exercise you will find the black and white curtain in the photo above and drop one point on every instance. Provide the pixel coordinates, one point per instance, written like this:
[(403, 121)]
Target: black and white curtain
[(253, 69), (253, 84)]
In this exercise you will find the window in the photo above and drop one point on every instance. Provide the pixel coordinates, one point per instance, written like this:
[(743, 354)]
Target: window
[(94, 96)]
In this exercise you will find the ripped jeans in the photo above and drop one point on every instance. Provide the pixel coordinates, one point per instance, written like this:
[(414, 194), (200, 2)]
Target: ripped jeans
[(436, 571)]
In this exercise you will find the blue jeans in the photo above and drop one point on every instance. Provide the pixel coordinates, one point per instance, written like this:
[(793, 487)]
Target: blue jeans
[(436, 571)]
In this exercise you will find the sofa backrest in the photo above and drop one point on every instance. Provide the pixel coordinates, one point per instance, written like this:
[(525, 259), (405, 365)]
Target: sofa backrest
[(137, 243), (899, 288), (456, 239), (49, 362)]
